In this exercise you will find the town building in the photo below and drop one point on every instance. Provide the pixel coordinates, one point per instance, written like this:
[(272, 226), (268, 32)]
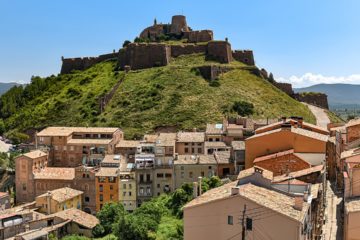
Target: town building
[(282, 137), (58, 200), (75, 146), (107, 186), (127, 188), (190, 143), (5, 201)]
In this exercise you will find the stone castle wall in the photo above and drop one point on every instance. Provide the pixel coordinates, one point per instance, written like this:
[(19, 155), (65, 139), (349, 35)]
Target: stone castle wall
[(199, 36), (184, 49), (144, 55), (317, 99), (219, 51), (245, 56), (211, 72), (285, 87), (69, 64)]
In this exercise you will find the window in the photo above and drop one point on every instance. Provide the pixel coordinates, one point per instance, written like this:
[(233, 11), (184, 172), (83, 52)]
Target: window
[(199, 150), (199, 144), (182, 175), (124, 186), (141, 178), (124, 194), (148, 190), (190, 174), (186, 144), (148, 177), (186, 150), (202, 174), (101, 188), (158, 194), (111, 187), (158, 185), (168, 175), (160, 175), (182, 168), (129, 193), (101, 206), (111, 197), (141, 191), (64, 148), (192, 150), (87, 175), (218, 139), (56, 148), (210, 167), (87, 199), (72, 148), (24, 186), (230, 220), (101, 197), (130, 186)]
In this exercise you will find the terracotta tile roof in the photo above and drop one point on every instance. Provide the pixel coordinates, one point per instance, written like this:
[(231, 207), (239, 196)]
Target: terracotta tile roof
[(352, 204), (62, 194), (66, 131), (295, 130), (166, 139), (238, 145), (190, 137), (279, 123), (194, 159), (268, 199), (79, 217), (341, 129), (55, 173), (35, 154), (274, 155), (292, 182), (353, 122), (107, 172), (150, 138), (215, 144), (350, 153), (222, 157), (214, 128), (250, 171), (88, 141), (300, 173), (128, 144), (112, 159)]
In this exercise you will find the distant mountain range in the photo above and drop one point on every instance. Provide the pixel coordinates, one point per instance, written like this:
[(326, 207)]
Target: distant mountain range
[(6, 86), (339, 95)]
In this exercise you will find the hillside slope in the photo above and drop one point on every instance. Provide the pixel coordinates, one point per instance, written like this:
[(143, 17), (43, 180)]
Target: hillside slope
[(175, 95)]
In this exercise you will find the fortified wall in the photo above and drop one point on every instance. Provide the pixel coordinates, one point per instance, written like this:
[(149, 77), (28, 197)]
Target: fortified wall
[(285, 87), (69, 64), (314, 98)]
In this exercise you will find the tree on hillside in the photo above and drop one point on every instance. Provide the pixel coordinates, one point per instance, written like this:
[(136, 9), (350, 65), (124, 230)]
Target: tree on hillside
[(243, 108), (126, 42), (107, 215)]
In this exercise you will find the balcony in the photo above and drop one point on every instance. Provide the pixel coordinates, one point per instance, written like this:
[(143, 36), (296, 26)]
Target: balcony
[(144, 161)]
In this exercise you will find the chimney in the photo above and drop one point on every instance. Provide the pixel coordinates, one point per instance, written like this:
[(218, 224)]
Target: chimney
[(195, 189), (235, 191), (298, 203), (300, 121), (286, 126), (258, 170), (48, 198)]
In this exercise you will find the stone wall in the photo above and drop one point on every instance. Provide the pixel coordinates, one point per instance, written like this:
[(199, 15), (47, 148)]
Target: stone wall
[(211, 72), (199, 36), (244, 56), (219, 51), (69, 64), (177, 50), (285, 87), (317, 99), (144, 55)]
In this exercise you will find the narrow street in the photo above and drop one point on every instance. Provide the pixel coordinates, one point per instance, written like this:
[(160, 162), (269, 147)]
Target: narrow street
[(332, 228)]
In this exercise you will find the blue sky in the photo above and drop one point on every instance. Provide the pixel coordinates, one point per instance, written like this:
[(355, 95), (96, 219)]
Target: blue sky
[(301, 41)]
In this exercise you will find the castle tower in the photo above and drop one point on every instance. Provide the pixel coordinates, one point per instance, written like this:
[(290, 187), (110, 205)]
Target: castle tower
[(178, 24)]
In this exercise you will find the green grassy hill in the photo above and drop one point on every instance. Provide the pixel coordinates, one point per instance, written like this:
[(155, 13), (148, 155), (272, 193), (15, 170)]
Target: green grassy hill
[(174, 95)]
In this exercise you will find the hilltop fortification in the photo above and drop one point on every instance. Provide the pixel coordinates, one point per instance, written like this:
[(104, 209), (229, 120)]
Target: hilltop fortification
[(152, 49)]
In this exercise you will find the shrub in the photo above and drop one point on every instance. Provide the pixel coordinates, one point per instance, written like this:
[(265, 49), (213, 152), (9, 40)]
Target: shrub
[(243, 108)]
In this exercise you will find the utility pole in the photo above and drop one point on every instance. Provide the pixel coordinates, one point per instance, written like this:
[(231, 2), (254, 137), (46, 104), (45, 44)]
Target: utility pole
[(243, 224)]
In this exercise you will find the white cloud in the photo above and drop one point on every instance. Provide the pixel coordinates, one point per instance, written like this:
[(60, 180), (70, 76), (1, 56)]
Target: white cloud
[(309, 79)]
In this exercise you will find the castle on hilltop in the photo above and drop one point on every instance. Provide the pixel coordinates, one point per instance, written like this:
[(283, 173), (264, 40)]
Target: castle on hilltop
[(152, 50)]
